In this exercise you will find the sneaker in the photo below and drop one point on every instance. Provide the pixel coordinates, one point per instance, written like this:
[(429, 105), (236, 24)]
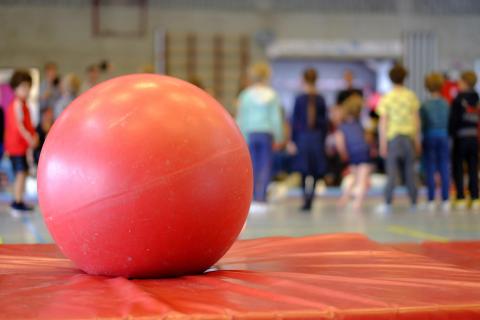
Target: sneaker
[(258, 208), (307, 204), (20, 206), (383, 209), (461, 204), (431, 206), (446, 206), (307, 207), (475, 205)]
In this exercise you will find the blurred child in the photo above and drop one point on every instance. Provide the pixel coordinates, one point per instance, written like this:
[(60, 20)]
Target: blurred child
[(70, 88), (260, 120), (463, 128), (49, 87), (354, 149), (434, 115), (92, 79), (309, 130), (46, 122), (399, 136), (20, 136)]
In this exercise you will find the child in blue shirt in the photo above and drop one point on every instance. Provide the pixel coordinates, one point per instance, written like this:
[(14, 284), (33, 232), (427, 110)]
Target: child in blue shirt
[(434, 114)]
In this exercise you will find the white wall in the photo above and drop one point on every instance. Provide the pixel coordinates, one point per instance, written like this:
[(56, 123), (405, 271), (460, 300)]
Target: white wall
[(31, 35)]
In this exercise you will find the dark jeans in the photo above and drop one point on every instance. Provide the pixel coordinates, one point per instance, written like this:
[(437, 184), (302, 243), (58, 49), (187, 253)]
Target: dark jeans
[(260, 146), (401, 159), (437, 160), (465, 150)]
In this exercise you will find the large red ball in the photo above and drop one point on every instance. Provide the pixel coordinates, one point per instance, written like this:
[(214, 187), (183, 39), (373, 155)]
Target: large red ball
[(144, 176)]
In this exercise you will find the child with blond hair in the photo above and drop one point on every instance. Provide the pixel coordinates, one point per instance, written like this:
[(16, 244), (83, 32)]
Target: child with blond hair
[(353, 148)]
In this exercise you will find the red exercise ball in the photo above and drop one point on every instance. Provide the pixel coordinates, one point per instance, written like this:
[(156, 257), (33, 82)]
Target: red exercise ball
[(144, 176)]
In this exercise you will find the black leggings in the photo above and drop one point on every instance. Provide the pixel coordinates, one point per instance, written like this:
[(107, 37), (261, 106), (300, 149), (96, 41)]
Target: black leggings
[(465, 150), (308, 193)]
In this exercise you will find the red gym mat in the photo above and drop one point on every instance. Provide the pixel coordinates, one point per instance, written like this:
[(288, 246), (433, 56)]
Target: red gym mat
[(464, 254), (340, 276)]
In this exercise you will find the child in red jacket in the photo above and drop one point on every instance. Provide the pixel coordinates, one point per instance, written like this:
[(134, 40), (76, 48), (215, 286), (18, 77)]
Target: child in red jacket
[(20, 135)]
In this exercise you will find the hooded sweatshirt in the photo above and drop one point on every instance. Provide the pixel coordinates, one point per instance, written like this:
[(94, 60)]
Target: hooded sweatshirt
[(464, 115)]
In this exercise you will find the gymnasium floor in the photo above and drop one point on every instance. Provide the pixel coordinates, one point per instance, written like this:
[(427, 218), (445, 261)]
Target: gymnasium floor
[(284, 219), (401, 225)]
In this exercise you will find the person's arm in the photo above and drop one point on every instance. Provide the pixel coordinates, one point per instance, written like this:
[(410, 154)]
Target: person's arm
[(448, 113), (32, 139), (341, 146), (417, 138), (277, 122), (382, 128), (382, 133), (323, 121), (292, 127), (423, 117), (240, 118), (454, 118), (418, 126), (295, 120)]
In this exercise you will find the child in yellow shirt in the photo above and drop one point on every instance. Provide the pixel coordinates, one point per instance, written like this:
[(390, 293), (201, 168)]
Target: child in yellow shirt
[(399, 135)]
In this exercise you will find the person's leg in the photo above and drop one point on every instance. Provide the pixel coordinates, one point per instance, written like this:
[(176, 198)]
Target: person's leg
[(316, 163), (457, 166), (410, 181), (265, 166), (363, 180), (304, 184), (301, 164), (19, 186), (315, 179), (309, 190), (391, 170), (443, 163), (472, 161), (430, 166), (255, 152), (20, 168), (350, 185)]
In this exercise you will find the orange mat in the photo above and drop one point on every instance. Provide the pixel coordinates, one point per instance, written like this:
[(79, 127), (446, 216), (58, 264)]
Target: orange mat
[(339, 276)]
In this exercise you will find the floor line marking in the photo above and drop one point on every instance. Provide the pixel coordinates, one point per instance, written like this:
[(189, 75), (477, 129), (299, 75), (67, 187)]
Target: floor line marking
[(418, 234)]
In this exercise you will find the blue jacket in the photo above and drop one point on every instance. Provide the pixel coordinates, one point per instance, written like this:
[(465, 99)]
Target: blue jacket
[(300, 113)]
